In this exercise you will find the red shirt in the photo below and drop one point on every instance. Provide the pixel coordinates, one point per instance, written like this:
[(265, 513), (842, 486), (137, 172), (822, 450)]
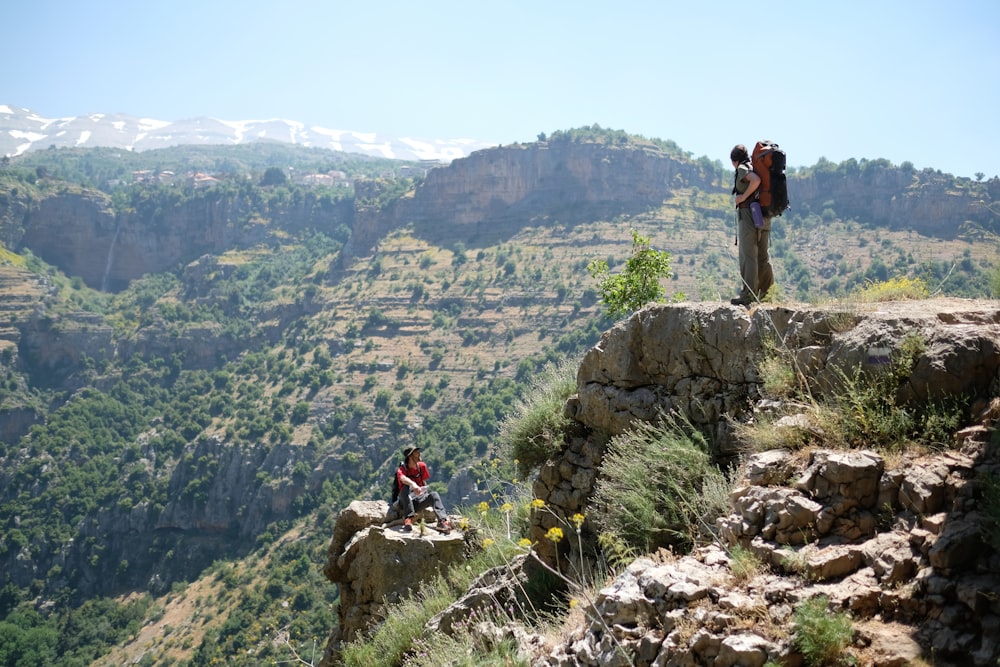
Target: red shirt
[(420, 475)]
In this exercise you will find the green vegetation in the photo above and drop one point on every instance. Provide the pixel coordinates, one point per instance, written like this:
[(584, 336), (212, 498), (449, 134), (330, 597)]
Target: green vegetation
[(744, 564), (865, 407), (399, 638), (639, 282), (276, 352), (894, 289), (112, 167), (73, 639), (821, 635), (535, 429), (659, 487), (994, 282), (779, 376), (868, 410)]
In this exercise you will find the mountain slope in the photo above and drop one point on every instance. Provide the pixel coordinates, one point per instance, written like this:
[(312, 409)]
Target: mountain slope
[(271, 366), (23, 130)]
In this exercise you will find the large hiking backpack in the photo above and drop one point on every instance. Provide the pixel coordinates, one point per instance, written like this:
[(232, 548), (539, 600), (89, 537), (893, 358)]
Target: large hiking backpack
[(769, 163), (395, 486)]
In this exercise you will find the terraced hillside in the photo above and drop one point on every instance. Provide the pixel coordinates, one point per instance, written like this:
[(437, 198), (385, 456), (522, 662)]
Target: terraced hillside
[(203, 424)]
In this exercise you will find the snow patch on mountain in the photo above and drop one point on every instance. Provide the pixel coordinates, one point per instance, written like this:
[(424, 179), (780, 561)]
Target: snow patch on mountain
[(23, 130)]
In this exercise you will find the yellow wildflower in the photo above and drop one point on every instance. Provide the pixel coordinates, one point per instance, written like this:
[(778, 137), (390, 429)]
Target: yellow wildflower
[(487, 543), (573, 603), (555, 533), (537, 503), (483, 507), (506, 507), (524, 543), (578, 520)]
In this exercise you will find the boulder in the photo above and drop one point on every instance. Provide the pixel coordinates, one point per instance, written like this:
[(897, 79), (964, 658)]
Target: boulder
[(375, 565), (844, 480)]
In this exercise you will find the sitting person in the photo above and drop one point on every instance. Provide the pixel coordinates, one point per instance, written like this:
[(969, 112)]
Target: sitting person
[(411, 477)]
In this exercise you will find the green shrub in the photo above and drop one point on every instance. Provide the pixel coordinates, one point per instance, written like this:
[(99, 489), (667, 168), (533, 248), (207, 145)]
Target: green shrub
[(468, 646), (821, 635), (535, 430), (899, 288), (994, 280), (639, 281), (778, 374), (866, 411), (744, 564), (651, 489), (866, 408), (392, 639)]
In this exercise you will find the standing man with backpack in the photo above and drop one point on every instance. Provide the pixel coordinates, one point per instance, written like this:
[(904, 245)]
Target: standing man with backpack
[(752, 231), (411, 481)]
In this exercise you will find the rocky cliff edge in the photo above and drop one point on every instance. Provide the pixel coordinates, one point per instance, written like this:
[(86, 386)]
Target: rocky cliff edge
[(899, 543)]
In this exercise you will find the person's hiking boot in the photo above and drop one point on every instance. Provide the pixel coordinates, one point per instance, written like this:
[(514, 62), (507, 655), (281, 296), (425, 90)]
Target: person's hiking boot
[(408, 524), (444, 526)]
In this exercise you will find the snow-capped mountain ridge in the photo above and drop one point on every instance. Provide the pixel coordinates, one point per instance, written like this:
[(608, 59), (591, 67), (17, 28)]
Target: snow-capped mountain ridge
[(23, 130)]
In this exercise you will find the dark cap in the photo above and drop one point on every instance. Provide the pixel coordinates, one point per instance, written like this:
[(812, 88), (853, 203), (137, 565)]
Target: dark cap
[(409, 449)]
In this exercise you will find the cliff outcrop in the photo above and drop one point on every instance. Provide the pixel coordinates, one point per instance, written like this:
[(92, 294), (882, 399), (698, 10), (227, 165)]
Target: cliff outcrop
[(375, 563), (494, 192), (927, 202), (899, 543), (701, 360), (211, 511), (485, 197), (80, 232), (899, 550)]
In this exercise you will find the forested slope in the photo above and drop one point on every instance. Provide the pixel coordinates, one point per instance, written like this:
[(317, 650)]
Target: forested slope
[(181, 416)]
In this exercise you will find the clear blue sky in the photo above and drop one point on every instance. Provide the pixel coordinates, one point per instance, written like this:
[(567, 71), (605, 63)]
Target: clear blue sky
[(914, 81)]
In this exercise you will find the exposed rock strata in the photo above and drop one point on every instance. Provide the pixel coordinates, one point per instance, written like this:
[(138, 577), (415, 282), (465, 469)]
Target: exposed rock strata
[(374, 564), (210, 513), (899, 547), (701, 359), (913, 584), (82, 234)]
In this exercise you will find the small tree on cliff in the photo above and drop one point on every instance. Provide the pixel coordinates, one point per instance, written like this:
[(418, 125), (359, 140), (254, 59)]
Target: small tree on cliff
[(638, 283), (274, 176)]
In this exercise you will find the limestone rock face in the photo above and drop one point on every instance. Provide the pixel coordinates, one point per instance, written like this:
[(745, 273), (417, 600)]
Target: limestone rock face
[(701, 359), (54, 347), (73, 231), (897, 198), (891, 544), (697, 359), (230, 499), (375, 564), (497, 190), (210, 512), (80, 232), (915, 583)]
